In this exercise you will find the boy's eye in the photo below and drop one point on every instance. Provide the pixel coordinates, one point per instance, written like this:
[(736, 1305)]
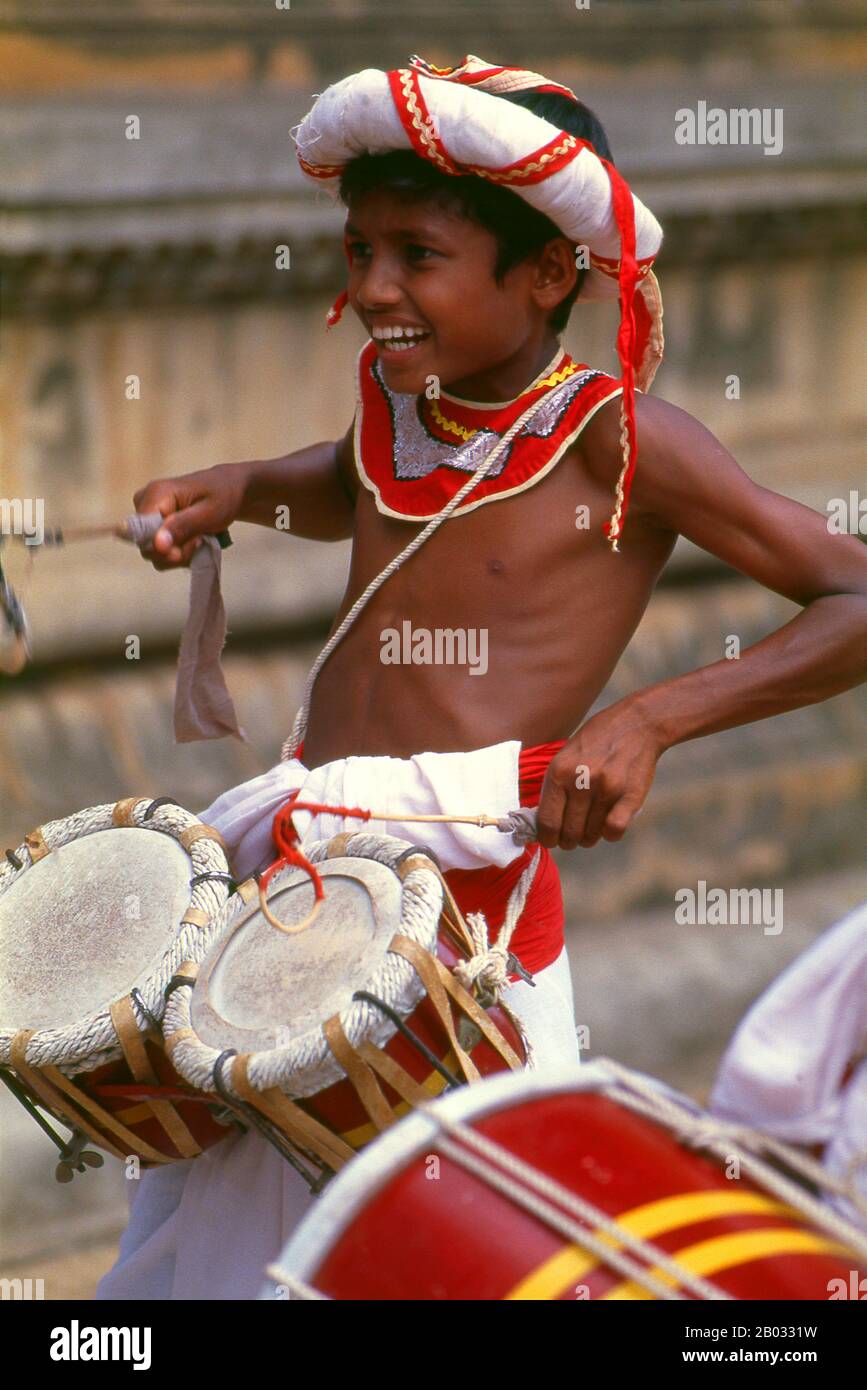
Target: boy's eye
[(413, 250)]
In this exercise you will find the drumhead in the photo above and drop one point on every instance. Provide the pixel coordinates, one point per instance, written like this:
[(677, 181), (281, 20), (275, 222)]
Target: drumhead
[(90, 921), (260, 988), (94, 906), (268, 994)]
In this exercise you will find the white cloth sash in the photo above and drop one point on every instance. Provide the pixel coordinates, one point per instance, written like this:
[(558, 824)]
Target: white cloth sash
[(482, 780)]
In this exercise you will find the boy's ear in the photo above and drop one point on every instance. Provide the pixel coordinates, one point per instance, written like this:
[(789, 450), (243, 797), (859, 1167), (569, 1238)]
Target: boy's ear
[(556, 273)]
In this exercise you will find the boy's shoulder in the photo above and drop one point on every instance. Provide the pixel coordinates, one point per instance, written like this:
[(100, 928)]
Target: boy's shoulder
[(666, 433)]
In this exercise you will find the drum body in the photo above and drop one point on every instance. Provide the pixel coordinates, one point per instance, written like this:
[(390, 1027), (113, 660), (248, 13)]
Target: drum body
[(420, 1216), (337, 1031), (96, 912)]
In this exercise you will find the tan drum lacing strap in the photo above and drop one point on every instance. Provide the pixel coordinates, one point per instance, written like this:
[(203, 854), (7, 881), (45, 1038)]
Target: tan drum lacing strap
[(439, 982), (186, 974), (202, 832), (361, 1075), (425, 966), (35, 842), (121, 811), (133, 1045), (338, 843), (397, 1077), (299, 1127), (195, 917), (53, 1088), (453, 918)]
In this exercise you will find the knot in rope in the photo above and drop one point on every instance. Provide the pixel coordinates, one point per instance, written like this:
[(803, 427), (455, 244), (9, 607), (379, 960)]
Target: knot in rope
[(488, 966), (522, 824), (490, 963)]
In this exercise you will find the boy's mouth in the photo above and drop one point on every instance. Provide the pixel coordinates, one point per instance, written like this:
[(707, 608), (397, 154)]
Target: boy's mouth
[(392, 339)]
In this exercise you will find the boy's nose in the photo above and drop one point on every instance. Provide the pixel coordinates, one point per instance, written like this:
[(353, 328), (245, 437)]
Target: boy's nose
[(378, 289)]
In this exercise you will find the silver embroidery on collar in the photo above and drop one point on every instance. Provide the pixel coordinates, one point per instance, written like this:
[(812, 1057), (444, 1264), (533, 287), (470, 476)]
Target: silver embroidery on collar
[(417, 453)]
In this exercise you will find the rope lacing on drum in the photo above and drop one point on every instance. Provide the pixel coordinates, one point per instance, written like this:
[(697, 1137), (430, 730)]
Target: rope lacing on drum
[(722, 1138), (549, 1200)]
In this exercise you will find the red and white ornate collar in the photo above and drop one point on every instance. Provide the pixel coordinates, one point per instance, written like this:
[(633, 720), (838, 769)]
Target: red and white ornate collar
[(414, 453)]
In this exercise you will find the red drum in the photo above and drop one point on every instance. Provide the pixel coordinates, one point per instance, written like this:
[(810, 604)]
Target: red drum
[(542, 1187), (97, 911), (324, 1032)]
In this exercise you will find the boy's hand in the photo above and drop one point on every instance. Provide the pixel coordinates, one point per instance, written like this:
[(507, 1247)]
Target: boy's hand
[(195, 505), (599, 780)]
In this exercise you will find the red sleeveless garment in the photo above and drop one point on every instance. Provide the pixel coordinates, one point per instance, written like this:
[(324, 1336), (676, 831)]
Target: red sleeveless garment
[(414, 453)]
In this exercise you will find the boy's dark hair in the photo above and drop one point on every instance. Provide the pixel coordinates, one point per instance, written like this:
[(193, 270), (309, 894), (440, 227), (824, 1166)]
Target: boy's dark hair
[(519, 229)]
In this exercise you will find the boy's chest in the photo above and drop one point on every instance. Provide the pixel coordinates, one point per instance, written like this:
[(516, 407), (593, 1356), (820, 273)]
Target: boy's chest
[(534, 540)]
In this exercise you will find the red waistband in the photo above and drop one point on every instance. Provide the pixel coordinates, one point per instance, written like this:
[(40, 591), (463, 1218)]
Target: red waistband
[(532, 766), (538, 938)]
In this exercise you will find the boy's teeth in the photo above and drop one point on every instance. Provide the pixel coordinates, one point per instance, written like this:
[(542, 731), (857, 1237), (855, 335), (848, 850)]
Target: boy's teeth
[(400, 339)]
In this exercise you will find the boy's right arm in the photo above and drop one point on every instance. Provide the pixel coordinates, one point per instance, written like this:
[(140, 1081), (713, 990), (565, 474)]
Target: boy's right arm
[(317, 485)]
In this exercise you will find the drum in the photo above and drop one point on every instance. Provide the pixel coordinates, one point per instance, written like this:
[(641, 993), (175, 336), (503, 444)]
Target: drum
[(326, 1035), (97, 911), (580, 1185)]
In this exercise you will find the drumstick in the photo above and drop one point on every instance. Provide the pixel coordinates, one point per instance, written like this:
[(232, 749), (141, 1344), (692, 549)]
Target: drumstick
[(139, 528), (503, 823)]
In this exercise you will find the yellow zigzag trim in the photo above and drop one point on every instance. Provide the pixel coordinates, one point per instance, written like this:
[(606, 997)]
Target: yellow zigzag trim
[(463, 432)]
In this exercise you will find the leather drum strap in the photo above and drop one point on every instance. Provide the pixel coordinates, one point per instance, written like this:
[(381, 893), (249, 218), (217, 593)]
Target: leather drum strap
[(453, 919), (133, 1045), (301, 1128), (53, 1087), (202, 832), (35, 842), (195, 917), (397, 1077), (483, 1022), (121, 811), (425, 966), (360, 1074)]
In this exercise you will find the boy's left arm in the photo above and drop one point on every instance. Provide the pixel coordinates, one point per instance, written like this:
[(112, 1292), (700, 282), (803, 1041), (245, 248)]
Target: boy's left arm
[(686, 482)]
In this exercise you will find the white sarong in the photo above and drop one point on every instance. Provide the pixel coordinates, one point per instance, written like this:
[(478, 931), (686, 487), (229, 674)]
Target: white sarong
[(784, 1068), (206, 1228)]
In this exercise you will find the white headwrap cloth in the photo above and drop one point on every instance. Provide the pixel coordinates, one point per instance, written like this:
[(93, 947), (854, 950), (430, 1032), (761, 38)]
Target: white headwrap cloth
[(454, 118), (486, 136)]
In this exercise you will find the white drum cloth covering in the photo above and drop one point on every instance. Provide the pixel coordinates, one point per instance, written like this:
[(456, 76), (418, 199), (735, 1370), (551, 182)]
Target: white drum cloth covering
[(783, 1069), (206, 1228)]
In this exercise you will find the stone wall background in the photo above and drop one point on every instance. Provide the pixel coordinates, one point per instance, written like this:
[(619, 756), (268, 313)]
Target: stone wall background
[(156, 258)]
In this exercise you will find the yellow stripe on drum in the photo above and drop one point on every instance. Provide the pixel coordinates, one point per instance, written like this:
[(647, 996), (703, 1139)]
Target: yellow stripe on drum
[(744, 1247), (433, 1083), (134, 1114), (653, 1219)]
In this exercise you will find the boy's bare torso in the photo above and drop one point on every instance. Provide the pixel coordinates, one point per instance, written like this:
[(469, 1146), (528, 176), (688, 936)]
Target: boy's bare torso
[(557, 606)]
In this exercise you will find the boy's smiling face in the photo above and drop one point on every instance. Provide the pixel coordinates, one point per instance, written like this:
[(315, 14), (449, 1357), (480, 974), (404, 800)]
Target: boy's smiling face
[(417, 265)]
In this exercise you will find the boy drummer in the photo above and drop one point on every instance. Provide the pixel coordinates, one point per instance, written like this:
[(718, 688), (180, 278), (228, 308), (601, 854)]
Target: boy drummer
[(466, 284)]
